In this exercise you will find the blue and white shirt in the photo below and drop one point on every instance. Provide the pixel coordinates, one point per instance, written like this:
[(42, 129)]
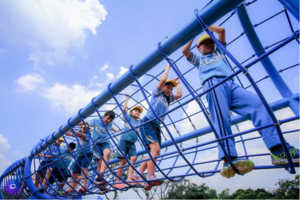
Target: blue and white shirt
[(85, 145), (159, 104), (99, 131), (130, 136), (64, 156), (52, 151), (210, 65)]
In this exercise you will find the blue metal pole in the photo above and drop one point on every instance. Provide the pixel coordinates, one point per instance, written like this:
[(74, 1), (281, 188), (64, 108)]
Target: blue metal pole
[(277, 80), (292, 6), (210, 14)]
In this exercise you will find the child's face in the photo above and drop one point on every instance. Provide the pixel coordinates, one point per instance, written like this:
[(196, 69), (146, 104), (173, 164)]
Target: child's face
[(135, 113), (58, 142), (167, 90), (107, 119), (206, 47), (83, 130)]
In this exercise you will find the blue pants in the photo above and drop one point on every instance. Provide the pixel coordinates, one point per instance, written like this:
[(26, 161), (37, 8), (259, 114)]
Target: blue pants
[(231, 96)]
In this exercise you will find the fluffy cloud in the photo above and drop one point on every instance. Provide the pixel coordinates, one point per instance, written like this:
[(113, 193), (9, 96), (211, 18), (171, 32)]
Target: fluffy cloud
[(69, 99), (122, 71), (104, 68), (4, 163), (29, 82), (50, 27), (4, 145)]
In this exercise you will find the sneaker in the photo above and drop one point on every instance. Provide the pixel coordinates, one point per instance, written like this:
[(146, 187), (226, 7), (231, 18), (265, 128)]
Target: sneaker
[(135, 177), (119, 185), (242, 165), (100, 180), (83, 189), (153, 183), (279, 157), (132, 183), (103, 190)]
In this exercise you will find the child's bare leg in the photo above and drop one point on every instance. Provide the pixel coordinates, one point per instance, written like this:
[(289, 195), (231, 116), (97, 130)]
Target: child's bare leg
[(155, 151), (99, 161), (85, 172), (106, 154), (48, 174), (73, 182), (119, 172), (132, 160), (37, 178)]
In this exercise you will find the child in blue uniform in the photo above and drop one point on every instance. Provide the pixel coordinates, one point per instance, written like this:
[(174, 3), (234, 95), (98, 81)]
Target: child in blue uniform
[(50, 157), (213, 69), (83, 160), (127, 141), (60, 171), (102, 145), (161, 98)]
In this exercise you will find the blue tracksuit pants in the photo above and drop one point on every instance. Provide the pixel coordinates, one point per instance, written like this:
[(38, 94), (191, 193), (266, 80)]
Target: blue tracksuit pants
[(231, 96)]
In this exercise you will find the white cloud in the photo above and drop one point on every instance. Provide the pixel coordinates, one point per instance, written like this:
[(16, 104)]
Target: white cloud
[(105, 67), (4, 163), (29, 82), (4, 145), (110, 76), (122, 71), (69, 99), (50, 27)]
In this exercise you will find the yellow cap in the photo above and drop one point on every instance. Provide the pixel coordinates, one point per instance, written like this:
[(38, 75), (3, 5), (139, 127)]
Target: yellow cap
[(172, 81), (137, 107), (61, 139), (82, 126), (202, 39)]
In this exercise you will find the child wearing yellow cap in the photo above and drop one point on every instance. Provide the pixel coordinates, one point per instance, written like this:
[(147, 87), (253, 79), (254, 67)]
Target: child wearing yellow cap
[(161, 98), (228, 96), (128, 140)]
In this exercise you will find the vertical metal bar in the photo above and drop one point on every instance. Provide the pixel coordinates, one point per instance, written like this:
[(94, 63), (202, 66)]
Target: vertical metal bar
[(277, 80)]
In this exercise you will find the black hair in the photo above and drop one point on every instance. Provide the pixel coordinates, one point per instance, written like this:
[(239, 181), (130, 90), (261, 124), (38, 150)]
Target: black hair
[(72, 145), (110, 113)]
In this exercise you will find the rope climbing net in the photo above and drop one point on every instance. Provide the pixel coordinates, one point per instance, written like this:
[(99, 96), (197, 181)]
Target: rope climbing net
[(189, 137)]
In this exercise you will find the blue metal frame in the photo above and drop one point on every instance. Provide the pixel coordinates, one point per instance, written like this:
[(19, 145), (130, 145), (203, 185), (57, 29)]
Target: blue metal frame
[(209, 14)]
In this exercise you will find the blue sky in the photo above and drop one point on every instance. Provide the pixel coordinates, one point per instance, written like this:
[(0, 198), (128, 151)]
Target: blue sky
[(55, 56)]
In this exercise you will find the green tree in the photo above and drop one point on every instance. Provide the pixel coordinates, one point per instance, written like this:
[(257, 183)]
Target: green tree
[(225, 194), (288, 188), (247, 194), (237, 193)]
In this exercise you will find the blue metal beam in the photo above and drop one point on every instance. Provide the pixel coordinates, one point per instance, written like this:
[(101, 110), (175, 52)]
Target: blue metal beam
[(210, 14), (292, 6), (277, 80)]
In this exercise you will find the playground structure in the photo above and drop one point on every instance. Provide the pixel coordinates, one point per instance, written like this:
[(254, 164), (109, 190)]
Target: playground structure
[(179, 157)]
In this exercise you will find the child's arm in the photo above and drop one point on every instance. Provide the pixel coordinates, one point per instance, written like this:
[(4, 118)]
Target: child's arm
[(78, 134), (115, 130), (164, 77), (44, 156), (178, 95), (125, 104), (220, 31), (187, 49)]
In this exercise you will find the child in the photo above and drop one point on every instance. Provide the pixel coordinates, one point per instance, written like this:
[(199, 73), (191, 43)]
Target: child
[(83, 160), (213, 69), (101, 144), (50, 157), (60, 171), (127, 141), (161, 98)]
